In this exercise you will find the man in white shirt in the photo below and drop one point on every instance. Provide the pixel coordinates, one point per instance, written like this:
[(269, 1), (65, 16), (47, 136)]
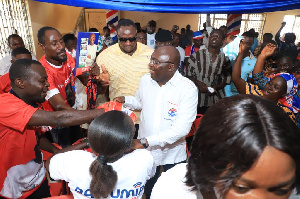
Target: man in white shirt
[(14, 41), (151, 27), (176, 43), (168, 102)]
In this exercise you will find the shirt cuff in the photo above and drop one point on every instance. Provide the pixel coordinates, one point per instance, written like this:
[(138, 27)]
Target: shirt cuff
[(153, 140), (51, 93)]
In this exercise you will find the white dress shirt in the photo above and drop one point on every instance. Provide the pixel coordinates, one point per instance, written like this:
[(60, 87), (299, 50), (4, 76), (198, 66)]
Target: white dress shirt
[(167, 115)]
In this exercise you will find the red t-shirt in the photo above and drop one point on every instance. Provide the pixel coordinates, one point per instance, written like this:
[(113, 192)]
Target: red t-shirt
[(188, 50), (5, 83), (61, 80), (17, 141)]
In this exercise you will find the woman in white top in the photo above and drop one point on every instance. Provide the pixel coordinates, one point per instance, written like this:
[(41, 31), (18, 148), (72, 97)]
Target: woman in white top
[(111, 171), (245, 147)]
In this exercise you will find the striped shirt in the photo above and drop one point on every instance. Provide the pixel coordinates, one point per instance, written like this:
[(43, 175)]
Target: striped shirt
[(252, 89), (125, 71), (211, 73)]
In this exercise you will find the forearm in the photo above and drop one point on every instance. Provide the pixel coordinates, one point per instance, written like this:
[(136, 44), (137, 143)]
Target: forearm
[(46, 145), (63, 118), (132, 103), (259, 65)]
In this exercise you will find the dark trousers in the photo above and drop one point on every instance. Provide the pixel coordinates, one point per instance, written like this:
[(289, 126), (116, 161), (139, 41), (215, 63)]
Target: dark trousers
[(151, 182)]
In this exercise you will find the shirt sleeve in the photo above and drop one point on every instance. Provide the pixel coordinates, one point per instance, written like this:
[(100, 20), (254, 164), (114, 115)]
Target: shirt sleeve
[(190, 68), (62, 166), (260, 80), (15, 114), (134, 102), (181, 126)]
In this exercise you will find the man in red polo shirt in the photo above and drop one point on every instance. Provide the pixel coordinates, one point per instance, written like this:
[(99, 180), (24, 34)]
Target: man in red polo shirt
[(60, 68), (22, 168)]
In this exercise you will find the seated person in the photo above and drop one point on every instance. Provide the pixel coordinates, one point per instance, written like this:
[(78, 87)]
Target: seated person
[(245, 147), (280, 89), (111, 171)]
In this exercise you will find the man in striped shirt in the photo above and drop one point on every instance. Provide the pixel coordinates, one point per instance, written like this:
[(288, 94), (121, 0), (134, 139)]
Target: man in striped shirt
[(210, 70)]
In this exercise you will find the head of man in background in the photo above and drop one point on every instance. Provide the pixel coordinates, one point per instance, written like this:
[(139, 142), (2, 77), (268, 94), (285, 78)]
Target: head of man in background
[(142, 37), (70, 44), (15, 41), (151, 27), (163, 38), (267, 37), (198, 39)]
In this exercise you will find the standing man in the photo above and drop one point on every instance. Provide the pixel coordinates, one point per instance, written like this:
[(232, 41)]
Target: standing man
[(126, 62), (22, 171), (168, 102), (210, 70), (151, 27), (14, 41), (197, 45), (60, 68), (248, 63), (176, 43)]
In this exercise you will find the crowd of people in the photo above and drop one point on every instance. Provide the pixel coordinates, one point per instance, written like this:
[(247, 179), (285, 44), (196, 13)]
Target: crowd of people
[(245, 146)]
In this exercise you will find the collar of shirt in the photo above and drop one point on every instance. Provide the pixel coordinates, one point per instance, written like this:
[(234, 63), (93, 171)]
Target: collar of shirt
[(16, 95), (173, 81)]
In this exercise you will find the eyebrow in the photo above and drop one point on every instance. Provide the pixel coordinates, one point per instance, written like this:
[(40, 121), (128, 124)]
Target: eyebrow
[(282, 184)]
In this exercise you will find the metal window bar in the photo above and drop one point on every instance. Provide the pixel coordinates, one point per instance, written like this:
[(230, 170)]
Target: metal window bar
[(15, 19), (256, 21)]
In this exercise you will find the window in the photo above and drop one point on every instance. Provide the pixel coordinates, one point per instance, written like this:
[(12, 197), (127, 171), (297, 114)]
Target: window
[(292, 25), (256, 21), (15, 19)]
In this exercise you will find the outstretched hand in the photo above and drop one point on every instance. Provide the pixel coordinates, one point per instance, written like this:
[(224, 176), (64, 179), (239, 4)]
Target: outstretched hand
[(268, 50), (103, 78)]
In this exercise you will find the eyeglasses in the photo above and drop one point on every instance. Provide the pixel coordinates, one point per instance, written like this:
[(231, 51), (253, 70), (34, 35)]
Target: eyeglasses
[(156, 62), (131, 39)]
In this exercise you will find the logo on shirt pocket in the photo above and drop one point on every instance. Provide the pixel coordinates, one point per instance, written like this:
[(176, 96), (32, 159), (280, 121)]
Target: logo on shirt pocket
[(172, 112)]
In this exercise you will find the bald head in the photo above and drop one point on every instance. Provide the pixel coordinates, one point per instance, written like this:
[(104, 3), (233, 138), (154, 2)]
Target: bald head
[(163, 64), (171, 52)]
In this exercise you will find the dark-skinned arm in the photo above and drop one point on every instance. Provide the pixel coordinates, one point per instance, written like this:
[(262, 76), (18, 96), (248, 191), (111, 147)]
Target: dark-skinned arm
[(78, 146), (266, 52), (202, 86), (277, 36), (46, 145), (63, 118)]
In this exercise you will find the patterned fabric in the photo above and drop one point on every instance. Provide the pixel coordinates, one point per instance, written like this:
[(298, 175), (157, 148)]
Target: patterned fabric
[(211, 73), (292, 88), (92, 91), (234, 24), (252, 89)]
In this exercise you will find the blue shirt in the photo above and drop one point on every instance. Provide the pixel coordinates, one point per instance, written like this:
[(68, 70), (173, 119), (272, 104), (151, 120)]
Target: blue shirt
[(248, 64)]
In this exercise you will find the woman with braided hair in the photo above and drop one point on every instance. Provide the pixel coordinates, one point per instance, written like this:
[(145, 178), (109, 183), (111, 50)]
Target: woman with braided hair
[(112, 170)]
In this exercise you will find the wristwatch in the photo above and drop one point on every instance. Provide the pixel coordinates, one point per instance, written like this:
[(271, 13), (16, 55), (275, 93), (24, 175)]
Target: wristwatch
[(144, 142), (87, 143)]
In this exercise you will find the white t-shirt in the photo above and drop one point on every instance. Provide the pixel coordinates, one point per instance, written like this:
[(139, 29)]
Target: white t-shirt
[(133, 170), (151, 40), (182, 54), (171, 185)]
